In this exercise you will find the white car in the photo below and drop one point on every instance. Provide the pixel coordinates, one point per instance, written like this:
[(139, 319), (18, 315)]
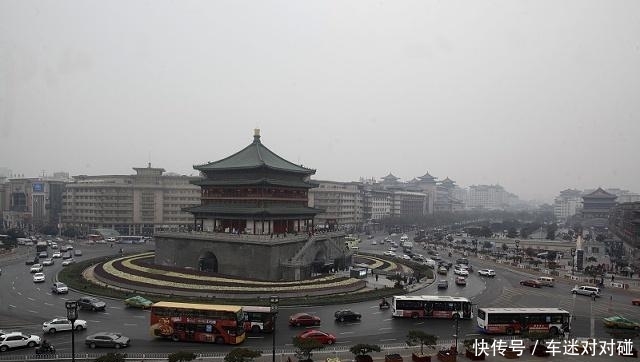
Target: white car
[(10, 340), (487, 272), (39, 278), (406, 257), (47, 262), (36, 268), (63, 324), (390, 253), (374, 243), (57, 254), (461, 271), (68, 262), (54, 245)]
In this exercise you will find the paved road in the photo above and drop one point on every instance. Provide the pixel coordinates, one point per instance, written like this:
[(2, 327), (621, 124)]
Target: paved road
[(26, 305)]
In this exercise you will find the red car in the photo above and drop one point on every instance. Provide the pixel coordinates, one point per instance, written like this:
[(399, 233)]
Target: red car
[(635, 302), (303, 319), (320, 336), (531, 283)]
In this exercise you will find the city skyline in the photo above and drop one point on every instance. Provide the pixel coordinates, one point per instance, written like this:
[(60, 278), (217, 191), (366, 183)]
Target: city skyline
[(536, 97)]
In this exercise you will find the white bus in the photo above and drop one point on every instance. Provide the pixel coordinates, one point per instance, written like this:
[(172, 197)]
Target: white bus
[(510, 321), (430, 306)]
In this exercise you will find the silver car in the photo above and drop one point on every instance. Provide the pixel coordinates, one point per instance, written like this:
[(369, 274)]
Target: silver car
[(107, 339)]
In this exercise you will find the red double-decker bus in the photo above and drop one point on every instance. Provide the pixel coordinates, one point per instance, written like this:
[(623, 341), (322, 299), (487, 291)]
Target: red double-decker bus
[(222, 324)]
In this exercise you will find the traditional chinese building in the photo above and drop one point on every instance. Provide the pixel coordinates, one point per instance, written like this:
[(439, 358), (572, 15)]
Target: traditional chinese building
[(254, 221)]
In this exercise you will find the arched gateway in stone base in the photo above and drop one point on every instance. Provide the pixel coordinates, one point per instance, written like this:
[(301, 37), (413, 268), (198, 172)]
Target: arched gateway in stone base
[(252, 256), (253, 221)]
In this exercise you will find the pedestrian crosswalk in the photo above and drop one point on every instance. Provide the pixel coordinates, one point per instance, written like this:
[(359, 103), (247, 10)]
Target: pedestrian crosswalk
[(549, 298)]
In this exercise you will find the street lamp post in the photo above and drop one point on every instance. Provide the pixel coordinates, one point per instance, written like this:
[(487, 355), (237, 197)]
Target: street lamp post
[(573, 261), (72, 315), (456, 335), (518, 251), (273, 300)]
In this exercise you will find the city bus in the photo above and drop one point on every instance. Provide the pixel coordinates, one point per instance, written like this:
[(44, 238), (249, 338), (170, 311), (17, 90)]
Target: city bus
[(221, 324), (430, 306), (510, 321), (124, 239), (351, 242), (258, 319)]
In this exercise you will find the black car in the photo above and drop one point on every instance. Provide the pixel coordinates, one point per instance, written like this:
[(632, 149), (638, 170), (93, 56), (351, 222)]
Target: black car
[(347, 315), (107, 339), (31, 261), (91, 303)]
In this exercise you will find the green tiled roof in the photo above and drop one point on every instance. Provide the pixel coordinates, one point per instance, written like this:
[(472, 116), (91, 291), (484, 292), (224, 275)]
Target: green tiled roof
[(247, 210), (253, 156), (258, 181)]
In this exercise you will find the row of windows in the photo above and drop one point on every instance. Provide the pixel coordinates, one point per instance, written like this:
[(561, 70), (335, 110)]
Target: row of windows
[(429, 305), (497, 318), (196, 313)]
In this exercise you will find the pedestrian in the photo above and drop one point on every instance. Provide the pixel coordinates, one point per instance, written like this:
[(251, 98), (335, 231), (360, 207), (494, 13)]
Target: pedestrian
[(612, 278)]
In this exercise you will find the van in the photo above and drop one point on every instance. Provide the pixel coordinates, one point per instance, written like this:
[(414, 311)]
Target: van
[(547, 281), (586, 290)]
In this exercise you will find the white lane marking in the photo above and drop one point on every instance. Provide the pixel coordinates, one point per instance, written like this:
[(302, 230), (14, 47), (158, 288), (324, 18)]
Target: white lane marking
[(94, 321), (115, 308), (130, 324), (31, 299), (19, 293), (373, 306), (343, 342), (140, 316), (387, 340), (33, 311), (49, 304), (255, 337), (347, 332), (418, 323), (386, 320), (384, 328), (11, 306), (376, 313)]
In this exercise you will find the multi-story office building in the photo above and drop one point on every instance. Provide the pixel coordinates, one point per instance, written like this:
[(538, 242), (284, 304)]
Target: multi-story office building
[(377, 203), (490, 197), (624, 221), (408, 203), (446, 200), (341, 202), (32, 203), (137, 204), (567, 204)]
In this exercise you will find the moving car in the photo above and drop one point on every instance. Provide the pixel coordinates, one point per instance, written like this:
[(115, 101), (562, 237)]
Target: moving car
[(461, 281), (77, 253), (91, 303), (620, 322), (443, 284), (59, 288), (586, 290), (303, 319), (320, 336), (442, 270), (138, 302), (347, 315), (68, 262), (38, 278), (36, 268), (487, 273), (107, 339), (635, 302), (389, 253), (31, 261), (406, 257), (47, 262), (461, 271), (56, 254), (531, 283), (9, 340), (63, 324), (67, 255)]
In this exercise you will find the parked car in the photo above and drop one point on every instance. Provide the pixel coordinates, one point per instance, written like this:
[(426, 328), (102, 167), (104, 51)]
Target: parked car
[(10, 340), (36, 268), (586, 290), (107, 339), (487, 273), (531, 283), (320, 336), (443, 284), (39, 278), (91, 303), (59, 288), (347, 315), (620, 322), (47, 262), (138, 302), (303, 319), (63, 324)]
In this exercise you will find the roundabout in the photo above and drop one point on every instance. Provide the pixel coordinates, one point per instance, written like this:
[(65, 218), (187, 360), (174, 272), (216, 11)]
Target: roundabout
[(124, 275)]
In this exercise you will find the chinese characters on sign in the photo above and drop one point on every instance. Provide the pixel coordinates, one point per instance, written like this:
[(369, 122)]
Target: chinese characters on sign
[(572, 347)]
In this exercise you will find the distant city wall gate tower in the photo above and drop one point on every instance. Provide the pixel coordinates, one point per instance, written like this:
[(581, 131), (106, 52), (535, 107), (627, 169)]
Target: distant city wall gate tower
[(254, 221)]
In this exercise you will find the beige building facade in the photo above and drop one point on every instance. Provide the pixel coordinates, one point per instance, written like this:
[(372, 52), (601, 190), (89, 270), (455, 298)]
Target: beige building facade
[(139, 204), (341, 202)]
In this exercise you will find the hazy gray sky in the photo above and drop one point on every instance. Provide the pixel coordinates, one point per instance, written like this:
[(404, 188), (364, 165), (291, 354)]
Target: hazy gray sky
[(535, 95)]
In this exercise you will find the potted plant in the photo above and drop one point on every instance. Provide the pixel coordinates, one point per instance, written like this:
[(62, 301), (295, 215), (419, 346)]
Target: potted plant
[(538, 346), (241, 355), (362, 350), (305, 348), (417, 337)]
